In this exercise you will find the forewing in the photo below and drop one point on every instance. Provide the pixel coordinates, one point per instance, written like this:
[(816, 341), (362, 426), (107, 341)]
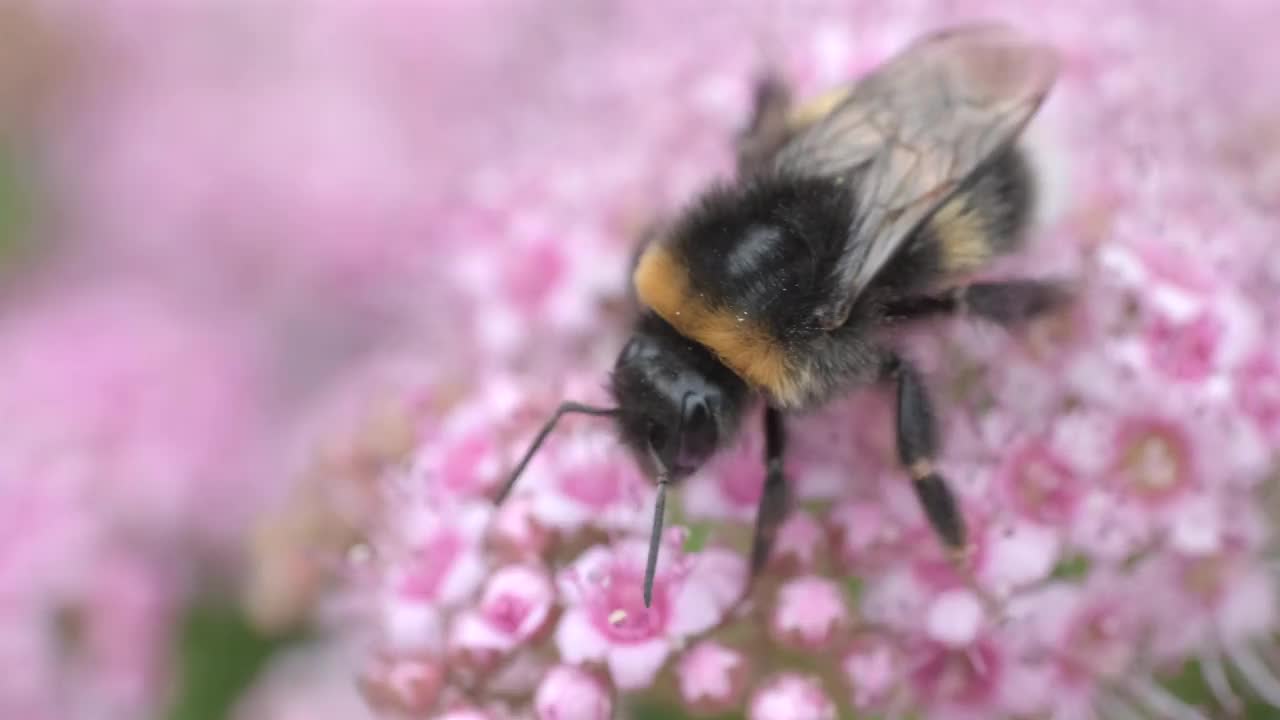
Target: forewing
[(912, 132)]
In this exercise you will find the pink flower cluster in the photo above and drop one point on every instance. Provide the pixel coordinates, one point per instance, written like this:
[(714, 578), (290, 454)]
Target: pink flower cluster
[(1114, 461)]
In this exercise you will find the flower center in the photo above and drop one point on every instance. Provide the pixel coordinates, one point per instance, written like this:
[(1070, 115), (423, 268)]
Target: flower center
[(619, 611), (1152, 465), (1044, 486), (1100, 646), (1205, 578), (507, 613)]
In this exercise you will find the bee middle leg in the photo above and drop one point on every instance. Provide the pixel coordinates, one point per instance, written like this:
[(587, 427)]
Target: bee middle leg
[(1005, 303), (775, 501), (917, 440)]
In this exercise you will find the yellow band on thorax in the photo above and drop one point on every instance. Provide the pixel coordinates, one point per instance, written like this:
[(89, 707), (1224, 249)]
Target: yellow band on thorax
[(746, 348)]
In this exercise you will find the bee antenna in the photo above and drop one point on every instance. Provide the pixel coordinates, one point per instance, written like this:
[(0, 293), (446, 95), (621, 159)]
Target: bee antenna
[(564, 409), (655, 540)]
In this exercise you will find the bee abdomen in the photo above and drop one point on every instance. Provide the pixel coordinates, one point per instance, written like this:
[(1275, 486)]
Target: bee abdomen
[(986, 219)]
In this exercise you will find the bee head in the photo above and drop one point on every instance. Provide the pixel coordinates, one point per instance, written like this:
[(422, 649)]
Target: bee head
[(677, 405)]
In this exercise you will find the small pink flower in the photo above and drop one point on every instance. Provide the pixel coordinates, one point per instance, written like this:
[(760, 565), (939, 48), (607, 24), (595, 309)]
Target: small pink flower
[(947, 678), (865, 537), (402, 684), (606, 619), (713, 677), (1185, 351), (465, 457), (1152, 460), (434, 563), (1041, 484), (810, 613), (467, 465), (791, 696), (799, 541), (1080, 634), (873, 670), (585, 479), (516, 533), (514, 607), (568, 692), (443, 564), (1099, 638), (1222, 597), (1257, 392), (519, 674)]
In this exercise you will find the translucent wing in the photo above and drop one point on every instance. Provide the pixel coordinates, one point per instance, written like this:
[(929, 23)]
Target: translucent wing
[(912, 132)]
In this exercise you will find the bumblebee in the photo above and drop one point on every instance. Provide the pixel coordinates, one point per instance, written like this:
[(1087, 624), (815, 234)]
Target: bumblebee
[(851, 214)]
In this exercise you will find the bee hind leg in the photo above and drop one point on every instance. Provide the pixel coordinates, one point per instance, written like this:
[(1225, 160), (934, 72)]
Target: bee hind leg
[(775, 501), (1007, 303), (917, 449), (917, 440)]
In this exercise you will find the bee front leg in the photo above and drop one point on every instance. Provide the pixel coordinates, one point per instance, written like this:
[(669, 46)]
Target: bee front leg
[(768, 128), (775, 501), (917, 448)]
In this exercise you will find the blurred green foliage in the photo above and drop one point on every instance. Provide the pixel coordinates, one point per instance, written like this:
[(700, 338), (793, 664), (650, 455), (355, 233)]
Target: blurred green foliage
[(16, 206), (219, 656)]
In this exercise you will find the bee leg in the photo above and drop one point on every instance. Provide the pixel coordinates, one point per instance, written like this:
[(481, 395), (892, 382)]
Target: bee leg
[(1006, 303), (917, 447), (775, 501), (768, 128)]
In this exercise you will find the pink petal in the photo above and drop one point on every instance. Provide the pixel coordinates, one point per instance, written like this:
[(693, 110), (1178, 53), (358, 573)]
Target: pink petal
[(463, 578), (471, 632), (410, 625), (711, 675), (517, 600), (871, 669), (593, 562), (955, 618), (571, 693), (810, 611), (702, 498), (1196, 527), (792, 696), (635, 666), (1021, 554), (695, 610), (577, 638), (799, 539), (1249, 609), (556, 511), (715, 583)]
